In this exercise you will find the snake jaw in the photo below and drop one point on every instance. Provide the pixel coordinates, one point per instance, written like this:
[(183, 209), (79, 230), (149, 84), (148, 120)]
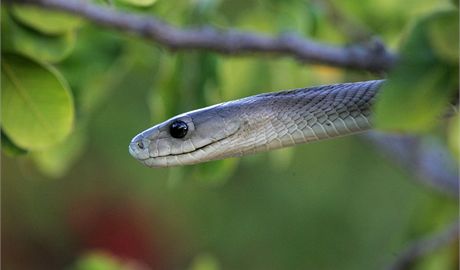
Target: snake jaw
[(205, 152), (186, 158)]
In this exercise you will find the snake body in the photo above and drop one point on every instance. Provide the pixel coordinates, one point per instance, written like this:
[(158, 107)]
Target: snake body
[(258, 123)]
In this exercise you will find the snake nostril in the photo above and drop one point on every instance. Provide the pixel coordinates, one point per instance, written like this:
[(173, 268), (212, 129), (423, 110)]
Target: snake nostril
[(140, 144)]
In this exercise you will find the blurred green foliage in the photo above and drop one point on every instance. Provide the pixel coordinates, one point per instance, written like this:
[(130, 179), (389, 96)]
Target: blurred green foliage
[(74, 94), (44, 21), (49, 48), (98, 261), (426, 77), (138, 2)]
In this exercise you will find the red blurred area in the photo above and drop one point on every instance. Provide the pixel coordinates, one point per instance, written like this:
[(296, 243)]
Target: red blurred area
[(124, 229)]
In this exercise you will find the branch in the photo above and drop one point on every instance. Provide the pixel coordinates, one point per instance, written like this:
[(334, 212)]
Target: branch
[(420, 248), (373, 57), (432, 165)]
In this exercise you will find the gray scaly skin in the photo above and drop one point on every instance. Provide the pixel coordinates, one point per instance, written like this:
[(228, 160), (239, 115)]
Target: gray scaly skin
[(259, 123)]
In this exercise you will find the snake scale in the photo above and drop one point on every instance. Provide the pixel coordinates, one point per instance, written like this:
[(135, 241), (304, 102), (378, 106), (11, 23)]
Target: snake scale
[(258, 123)]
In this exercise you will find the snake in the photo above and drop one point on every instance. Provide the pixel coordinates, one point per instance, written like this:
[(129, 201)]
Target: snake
[(258, 123)]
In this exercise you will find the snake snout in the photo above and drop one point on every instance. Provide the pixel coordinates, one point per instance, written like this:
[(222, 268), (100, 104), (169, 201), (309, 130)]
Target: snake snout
[(138, 148)]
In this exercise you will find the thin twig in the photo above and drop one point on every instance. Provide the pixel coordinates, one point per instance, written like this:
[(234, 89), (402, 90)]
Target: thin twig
[(422, 247), (430, 163), (373, 57)]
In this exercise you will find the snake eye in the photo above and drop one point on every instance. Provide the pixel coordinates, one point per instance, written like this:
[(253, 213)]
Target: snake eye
[(178, 129)]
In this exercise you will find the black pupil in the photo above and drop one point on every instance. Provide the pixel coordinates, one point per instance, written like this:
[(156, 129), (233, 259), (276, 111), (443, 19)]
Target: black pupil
[(178, 129)]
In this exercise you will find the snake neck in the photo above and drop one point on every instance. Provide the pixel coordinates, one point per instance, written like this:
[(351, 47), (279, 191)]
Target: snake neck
[(276, 120)]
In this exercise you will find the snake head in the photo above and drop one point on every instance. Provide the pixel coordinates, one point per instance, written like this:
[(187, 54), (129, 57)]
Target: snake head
[(185, 139)]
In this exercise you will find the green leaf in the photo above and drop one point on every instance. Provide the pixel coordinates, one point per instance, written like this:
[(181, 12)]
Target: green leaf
[(420, 87), (37, 105), (55, 161), (413, 103), (46, 21), (98, 260), (9, 148), (207, 86), (141, 3), (99, 87), (453, 135), (205, 262), (443, 36), (102, 51), (34, 44)]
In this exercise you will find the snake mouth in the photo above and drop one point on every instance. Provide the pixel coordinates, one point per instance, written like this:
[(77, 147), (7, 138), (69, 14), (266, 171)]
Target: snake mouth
[(206, 146), (198, 155)]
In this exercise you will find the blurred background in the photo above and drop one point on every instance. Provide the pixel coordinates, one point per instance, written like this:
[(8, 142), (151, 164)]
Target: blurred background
[(82, 202)]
